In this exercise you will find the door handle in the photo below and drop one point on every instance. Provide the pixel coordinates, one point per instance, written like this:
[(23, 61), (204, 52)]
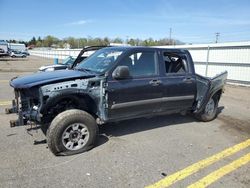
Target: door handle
[(155, 82), (188, 80)]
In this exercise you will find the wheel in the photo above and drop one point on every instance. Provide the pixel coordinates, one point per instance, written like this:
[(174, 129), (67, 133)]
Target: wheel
[(210, 111), (71, 132)]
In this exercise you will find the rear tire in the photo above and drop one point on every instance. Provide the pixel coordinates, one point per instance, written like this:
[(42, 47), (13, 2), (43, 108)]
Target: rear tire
[(210, 111), (71, 132)]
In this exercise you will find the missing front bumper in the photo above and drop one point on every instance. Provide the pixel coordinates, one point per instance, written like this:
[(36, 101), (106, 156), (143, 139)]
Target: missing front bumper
[(18, 122), (16, 108)]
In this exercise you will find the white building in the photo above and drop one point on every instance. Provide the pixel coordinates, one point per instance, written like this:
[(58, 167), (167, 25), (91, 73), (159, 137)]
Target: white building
[(17, 46)]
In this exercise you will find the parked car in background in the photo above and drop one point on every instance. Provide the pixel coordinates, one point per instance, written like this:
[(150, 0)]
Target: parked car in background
[(66, 63), (3, 48), (25, 52), (17, 54)]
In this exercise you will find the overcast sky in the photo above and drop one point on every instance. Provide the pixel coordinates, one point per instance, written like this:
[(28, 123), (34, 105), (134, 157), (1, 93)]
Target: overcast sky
[(192, 21)]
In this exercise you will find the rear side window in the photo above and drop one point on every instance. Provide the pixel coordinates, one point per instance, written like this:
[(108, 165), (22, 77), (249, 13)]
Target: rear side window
[(174, 64), (141, 63)]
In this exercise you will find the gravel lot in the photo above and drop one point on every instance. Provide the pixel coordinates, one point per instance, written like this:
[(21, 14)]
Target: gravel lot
[(133, 153)]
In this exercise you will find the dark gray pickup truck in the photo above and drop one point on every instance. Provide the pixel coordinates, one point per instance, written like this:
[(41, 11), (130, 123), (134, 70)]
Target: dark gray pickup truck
[(113, 84)]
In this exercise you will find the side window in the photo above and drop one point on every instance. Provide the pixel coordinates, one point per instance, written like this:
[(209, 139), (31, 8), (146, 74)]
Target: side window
[(174, 64), (141, 63)]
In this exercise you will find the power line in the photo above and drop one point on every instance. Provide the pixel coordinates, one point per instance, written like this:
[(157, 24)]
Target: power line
[(170, 34)]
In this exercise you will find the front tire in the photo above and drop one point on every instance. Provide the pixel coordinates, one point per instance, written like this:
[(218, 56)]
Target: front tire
[(71, 132), (210, 111)]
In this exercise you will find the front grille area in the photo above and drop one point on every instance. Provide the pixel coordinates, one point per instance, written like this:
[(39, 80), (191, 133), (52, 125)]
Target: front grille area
[(25, 105)]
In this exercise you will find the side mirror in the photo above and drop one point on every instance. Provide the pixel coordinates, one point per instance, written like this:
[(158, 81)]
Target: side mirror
[(121, 72)]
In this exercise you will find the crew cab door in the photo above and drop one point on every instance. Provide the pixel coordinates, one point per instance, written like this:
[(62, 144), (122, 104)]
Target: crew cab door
[(138, 94), (179, 81)]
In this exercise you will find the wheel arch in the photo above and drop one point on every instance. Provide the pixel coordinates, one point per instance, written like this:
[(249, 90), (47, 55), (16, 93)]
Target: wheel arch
[(78, 100), (217, 94)]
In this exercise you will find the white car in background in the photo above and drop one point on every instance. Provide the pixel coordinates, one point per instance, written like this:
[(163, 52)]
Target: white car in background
[(66, 63), (17, 54)]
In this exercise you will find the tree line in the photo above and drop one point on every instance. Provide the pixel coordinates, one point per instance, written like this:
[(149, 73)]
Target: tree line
[(71, 42)]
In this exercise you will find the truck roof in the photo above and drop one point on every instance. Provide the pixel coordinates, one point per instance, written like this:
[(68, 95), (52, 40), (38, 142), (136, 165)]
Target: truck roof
[(174, 50)]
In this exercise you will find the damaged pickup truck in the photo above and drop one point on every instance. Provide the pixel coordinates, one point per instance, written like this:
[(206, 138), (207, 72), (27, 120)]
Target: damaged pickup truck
[(113, 84)]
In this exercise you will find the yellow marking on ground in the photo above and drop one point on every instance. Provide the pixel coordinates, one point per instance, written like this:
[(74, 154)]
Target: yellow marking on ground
[(171, 179), (214, 176), (5, 103)]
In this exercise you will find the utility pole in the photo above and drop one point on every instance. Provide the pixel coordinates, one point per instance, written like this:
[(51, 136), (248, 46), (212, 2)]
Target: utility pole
[(170, 35), (127, 38), (217, 34)]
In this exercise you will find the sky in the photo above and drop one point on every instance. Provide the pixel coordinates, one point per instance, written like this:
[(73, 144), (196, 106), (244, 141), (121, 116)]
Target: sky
[(192, 21)]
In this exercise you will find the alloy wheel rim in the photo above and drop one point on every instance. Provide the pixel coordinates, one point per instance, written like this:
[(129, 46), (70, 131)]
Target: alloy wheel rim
[(75, 136), (210, 107)]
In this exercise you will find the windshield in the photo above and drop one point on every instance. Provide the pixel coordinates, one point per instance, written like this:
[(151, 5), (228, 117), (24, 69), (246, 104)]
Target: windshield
[(101, 60)]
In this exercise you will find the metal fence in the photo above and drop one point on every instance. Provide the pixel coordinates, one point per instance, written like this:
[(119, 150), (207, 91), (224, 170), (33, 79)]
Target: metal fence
[(209, 59), (55, 53)]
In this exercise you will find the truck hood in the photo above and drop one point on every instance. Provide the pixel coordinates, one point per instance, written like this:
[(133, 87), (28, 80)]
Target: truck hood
[(48, 77)]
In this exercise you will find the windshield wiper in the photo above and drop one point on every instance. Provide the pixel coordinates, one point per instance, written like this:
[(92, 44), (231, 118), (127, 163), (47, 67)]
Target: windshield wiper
[(84, 69)]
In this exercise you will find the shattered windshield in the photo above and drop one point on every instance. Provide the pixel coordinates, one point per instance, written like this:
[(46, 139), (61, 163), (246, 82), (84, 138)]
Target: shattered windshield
[(100, 61)]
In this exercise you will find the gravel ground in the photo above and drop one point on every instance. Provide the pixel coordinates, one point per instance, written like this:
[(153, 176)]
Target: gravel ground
[(133, 153)]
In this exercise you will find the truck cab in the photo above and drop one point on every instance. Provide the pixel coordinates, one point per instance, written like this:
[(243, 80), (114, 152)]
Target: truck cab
[(157, 81)]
